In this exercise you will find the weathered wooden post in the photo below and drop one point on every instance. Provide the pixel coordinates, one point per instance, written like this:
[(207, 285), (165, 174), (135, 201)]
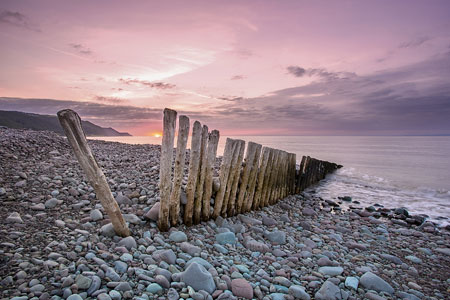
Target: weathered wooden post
[(230, 144), (266, 185), (71, 123), (180, 157), (261, 175), (230, 195), (165, 167), (201, 176), (213, 141), (194, 164), (249, 194)]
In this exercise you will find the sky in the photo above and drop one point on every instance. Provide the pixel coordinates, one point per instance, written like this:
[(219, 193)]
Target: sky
[(243, 67)]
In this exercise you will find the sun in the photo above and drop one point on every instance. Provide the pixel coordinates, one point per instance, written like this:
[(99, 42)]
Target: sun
[(157, 135)]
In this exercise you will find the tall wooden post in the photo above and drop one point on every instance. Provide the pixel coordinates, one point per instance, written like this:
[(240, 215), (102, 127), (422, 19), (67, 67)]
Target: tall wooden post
[(213, 141), (180, 157), (71, 123), (201, 176), (260, 177), (230, 144), (194, 164), (231, 200), (249, 194)]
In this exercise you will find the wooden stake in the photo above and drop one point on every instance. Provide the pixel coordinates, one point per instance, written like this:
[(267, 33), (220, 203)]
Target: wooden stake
[(267, 178), (224, 175), (201, 176), (194, 164), (180, 157), (71, 123), (230, 199), (249, 160), (260, 178), (213, 141), (252, 180)]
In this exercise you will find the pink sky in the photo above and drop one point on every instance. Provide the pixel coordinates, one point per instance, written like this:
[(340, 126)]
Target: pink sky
[(244, 67)]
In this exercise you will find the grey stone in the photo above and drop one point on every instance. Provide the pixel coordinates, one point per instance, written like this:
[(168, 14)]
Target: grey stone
[(298, 292), (190, 249), (83, 282), (277, 237), (165, 255), (51, 203), (373, 282), (154, 288), (123, 286), (111, 274), (200, 261), (37, 288), (95, 285), (352, 282), (74, 297), (226, 238), (331, 271), (108, 230), (128, 242), (198, 278), (132, 219), (328, 291), (178, 236), (153, 213), (14, 218), (96, 215)]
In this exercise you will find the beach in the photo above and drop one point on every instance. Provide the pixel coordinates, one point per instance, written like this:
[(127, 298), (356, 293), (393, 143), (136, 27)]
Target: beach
[(56, 242)]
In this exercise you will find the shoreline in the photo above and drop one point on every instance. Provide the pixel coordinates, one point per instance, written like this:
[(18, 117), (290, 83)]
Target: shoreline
[(58, 242)]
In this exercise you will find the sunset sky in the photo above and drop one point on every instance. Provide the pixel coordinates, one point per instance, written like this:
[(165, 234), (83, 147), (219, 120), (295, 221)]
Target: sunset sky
[(243, 67)]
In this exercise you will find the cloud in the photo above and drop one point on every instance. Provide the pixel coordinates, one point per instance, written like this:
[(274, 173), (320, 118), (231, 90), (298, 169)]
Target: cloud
[(155, 85), (237, 77), (17, 19), (318, 72), (111, 100), (416, 42), (230, 98), (81, 49), (296, 71)]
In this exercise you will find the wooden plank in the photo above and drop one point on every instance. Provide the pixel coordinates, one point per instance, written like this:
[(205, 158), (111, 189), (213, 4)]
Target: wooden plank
[(201, 176), (268, 178), (249, 161), (224, 173), (262, 170), (248, 202), (71, 123), (273, 180), (194, 164), (293, 171), (213, 141), (178, 173), (230, 199)]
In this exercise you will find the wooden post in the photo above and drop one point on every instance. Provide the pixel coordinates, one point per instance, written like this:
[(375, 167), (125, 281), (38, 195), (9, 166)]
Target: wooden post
[(71, 123), (224, 175), (180, 157), (165, 167), (213, 141), (201, 176), (194, 164), (273, 180), (299, 180), (293, 172), (249, 160), (248, 200), (230, 198), (261, 175), (267, 178)]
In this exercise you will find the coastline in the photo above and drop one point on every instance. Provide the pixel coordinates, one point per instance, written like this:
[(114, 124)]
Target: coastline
[(58, 240)]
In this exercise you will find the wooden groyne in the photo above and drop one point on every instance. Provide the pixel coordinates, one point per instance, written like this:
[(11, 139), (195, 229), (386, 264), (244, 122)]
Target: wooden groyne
[(247, 181)]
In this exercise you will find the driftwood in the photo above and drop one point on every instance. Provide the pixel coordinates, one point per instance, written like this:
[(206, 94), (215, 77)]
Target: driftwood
[(213, 141), (261, 173), (194, 165), (71, 123), (180, 157), (223, 178)]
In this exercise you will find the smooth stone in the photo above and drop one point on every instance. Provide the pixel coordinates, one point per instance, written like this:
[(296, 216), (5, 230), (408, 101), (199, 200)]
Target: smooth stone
[(37, 288), (153, 213), (198, 278), (190, 249), (352, 282), (328, 291), (154, 288), (83, 282), (74, 297), (96, 215), (298, 292), (108, 230), (178, 237), (123, 286), (14, 218), (51, 203), (241, 288), (226, 238), (373, 282), (200, 261), (95, 285), (120, 266), (413, 259), (128, 242), (277, 237), (220, 248), (331, 271)]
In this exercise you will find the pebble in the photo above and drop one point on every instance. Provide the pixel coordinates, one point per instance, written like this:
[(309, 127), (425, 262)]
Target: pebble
[(178, 237), (241, 288), (197, 277), (226, 238), (373, 282)]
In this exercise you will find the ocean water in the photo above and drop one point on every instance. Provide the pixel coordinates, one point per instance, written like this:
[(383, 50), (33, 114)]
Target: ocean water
[(394, 171)]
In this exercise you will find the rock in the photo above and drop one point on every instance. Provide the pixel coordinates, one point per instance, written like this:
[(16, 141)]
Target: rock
[(111, 274), (226, 238), (172, 294), (153, 213), (445, 251), (413, 259), (95, 285), (165, 255), (178, 237), (96, 215), (21, 184), (298, 292), (254, 245), (14, 218), (373, 282), (74, 297), (198, 278), (123, 286), (200, 261), (121, 199), (241, 288), (39, 206), (190, 249), (108, 230), (352, 282), (132, 219), (83, 282), (154, 288), (308, 211), (162, 281), (51, 203), (128, 242), (392, 258), (328, 291), (331, 271), (276, 237), (268, 221), (372, 296)]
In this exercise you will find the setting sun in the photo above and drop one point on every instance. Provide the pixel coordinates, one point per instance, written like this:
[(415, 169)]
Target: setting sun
[(157, 135)]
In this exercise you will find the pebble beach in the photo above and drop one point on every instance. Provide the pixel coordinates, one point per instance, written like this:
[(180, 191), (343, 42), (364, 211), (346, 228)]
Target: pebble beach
[(56, 241)]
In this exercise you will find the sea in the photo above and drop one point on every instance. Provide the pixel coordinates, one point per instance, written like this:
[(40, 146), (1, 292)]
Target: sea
[(392, 171)]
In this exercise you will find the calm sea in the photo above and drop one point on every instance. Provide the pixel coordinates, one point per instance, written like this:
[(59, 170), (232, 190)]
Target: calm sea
[(394, 171)]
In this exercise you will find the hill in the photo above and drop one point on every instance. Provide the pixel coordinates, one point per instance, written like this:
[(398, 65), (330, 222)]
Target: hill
[(22, 120)]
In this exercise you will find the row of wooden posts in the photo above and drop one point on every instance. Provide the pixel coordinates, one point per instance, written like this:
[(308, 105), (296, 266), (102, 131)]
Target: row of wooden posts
[(263, 177)]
